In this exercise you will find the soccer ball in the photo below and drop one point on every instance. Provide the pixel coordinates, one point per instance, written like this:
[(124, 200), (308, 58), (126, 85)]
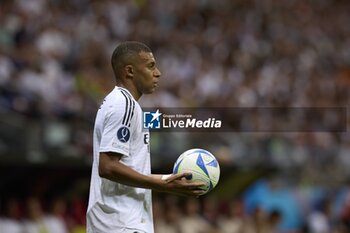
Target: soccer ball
[(203, 166)]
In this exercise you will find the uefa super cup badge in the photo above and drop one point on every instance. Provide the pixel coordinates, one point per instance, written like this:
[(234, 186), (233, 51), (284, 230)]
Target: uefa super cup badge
[(123, 134)]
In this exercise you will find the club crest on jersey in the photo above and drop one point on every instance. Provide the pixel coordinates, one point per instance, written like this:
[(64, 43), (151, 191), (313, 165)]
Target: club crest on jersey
[(123, 134)]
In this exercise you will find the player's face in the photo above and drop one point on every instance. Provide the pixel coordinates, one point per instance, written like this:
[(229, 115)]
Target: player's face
[(146, 74)]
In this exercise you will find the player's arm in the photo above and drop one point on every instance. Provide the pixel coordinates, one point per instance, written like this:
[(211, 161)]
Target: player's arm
[(111, 168)]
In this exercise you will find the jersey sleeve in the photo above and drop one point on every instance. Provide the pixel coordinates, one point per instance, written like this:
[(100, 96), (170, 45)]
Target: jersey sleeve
[(116, 134)]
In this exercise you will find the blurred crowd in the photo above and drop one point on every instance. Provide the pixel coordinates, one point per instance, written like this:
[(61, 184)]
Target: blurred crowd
[(55, 63), (173, 214), (55, 69), (34, 215), (211, 216), (55, 55)]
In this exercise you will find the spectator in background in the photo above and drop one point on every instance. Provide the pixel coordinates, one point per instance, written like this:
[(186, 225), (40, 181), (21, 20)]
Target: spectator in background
[(192, 221), (55, 219), (167, 216), (273, 220), (319, 221), (158, 214), (257, 222), (234, 221), (10, 222), (210, 210), (35, 221)]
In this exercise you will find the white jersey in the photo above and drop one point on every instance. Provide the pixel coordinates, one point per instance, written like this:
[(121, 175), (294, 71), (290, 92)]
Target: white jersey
[(114, 207)]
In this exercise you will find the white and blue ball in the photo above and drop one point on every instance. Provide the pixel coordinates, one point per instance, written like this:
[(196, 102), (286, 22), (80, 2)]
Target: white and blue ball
[(203, 166)]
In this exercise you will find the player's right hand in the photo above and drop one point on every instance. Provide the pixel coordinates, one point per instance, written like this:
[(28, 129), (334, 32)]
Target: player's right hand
[(178, 184)]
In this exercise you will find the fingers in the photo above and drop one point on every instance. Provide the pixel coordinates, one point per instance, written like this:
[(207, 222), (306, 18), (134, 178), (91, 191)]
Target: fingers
[(178, 176), (190, 185), (196, 189), (198, 193), (197, 185)]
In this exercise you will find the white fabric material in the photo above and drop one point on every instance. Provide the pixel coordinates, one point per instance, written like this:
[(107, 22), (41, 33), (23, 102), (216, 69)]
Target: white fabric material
[(114, 207), (10, 225)]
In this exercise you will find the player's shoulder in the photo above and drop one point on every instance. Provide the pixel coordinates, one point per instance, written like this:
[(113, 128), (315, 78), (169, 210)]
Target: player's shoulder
[(120, 102), (119, 97)]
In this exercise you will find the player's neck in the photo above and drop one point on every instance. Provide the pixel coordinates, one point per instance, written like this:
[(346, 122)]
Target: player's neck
[(132, 89)]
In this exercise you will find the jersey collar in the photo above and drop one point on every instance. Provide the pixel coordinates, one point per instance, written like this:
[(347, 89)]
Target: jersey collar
[(124, 89)]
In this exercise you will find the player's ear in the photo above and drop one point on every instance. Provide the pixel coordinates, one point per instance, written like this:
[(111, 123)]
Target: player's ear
[(129, 71)]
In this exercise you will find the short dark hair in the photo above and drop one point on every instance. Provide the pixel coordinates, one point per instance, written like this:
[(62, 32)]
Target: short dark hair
[(124, 53)]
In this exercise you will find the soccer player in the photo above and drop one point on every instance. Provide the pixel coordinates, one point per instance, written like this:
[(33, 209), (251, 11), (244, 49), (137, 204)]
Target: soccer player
[(121, 179)]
